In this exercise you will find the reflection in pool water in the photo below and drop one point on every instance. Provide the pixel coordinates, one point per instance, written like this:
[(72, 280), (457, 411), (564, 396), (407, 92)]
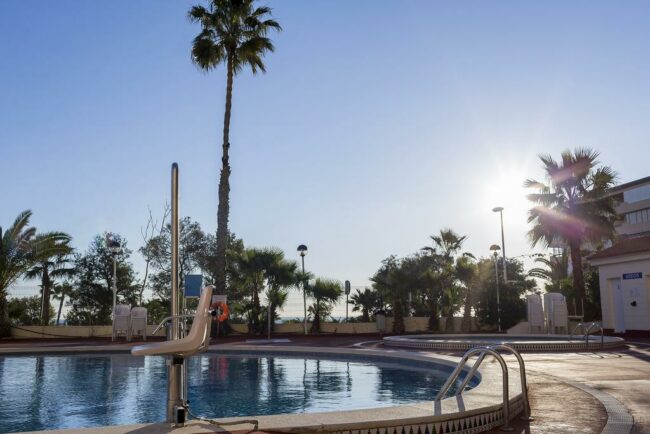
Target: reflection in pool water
[(48, 392)]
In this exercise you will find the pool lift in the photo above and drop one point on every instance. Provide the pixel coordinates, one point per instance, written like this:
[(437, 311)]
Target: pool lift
[(179, 347)]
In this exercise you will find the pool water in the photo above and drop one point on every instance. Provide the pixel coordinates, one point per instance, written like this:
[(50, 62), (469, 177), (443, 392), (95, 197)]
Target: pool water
[(74, 391)]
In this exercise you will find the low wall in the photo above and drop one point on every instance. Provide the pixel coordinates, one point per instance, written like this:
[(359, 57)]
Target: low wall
[(100, 331), (411, 325)]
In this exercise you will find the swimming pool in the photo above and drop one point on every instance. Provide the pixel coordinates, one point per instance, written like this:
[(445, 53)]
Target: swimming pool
[(71, 391)]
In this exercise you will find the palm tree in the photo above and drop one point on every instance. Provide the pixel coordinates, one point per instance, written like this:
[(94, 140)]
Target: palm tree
[(393, 281), (325, 293), (555, 270), (276, 297), (233, 32), (258, 268), (573, 207), (442, 275), (364, 301), (59, 292), (15, 259), (467, 272), (51, 259)]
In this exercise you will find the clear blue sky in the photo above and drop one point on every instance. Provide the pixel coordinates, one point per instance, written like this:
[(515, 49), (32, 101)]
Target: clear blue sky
[(377, 124)]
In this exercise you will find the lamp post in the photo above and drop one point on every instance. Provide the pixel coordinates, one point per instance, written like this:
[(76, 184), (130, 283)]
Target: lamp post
[(496, 248), (115, 248), (499, 209), (303, 251)]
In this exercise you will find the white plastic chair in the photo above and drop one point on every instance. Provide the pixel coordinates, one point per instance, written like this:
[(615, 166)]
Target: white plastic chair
[(535, 314), (138, 322), (197, 339), (122, 321)]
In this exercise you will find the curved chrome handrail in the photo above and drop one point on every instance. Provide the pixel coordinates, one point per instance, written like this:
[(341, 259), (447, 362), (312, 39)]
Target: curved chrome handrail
[(580, 324), (482, 351), (522, 375), (595, 325)]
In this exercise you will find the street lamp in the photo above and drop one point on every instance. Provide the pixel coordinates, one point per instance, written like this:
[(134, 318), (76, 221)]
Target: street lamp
[(303, 251), (499, 209), (115, 248), (495, 248)]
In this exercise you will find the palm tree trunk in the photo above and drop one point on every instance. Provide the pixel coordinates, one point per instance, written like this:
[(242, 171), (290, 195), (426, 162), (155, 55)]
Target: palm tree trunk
[(58, 315), (467, 312), (45, 305), (315, 325), (398, 316), (366, 314), (5, 325), (224, 187), (433, 318), (578, 278)]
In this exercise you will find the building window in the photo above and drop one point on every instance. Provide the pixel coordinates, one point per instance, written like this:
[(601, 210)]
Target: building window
[(638, 217)]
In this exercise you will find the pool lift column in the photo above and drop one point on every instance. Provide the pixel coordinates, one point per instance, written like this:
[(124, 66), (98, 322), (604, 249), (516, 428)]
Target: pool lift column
[(176, 380)]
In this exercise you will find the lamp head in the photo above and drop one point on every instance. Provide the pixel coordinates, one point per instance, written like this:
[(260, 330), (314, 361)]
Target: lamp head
[(497, 209), (302, 249), (113, 245), (495, 248)]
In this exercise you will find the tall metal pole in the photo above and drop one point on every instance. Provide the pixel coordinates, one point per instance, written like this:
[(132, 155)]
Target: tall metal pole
[(304, 291), (175, 366), (496, 275), (114, 283), (503, 250)]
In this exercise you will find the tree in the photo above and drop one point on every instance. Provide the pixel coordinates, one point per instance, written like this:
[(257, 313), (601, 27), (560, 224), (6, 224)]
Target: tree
[(92, 298), (235, 33), (51, 259), (467, 272), (513, 305), (26, 310), (15, 260), (257, 268), (326, 293), (365, 302), (573, 206), (391, 281), (151, 230), (60, 292), (445, 291), (191, 244)]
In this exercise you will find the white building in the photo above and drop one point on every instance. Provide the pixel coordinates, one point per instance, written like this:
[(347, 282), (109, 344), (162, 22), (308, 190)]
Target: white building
[(624, 268)]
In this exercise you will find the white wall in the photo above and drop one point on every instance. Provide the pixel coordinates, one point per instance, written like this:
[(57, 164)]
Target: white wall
[(636, 317)]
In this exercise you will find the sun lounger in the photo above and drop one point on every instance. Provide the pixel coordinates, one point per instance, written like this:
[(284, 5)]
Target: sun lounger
[(139, 322), (122, 321)]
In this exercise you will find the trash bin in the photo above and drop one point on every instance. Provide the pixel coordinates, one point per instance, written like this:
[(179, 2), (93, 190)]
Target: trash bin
[(380, 320)]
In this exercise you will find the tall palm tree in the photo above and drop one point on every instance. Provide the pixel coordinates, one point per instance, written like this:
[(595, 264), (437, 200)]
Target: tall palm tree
[(51, 259), (59, 292), (364, 301), (233, 32), (573, 206), (15, 259), (325, 293)]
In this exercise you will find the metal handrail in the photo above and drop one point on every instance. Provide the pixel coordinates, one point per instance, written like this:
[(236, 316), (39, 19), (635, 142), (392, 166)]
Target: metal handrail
[(522, 375), (599, 326), (482, 351), (580, 324), (585, 333), (169, 318)]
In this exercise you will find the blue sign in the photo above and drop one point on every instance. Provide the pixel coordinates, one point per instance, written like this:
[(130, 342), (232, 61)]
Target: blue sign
[(629, 276), (193, 284)]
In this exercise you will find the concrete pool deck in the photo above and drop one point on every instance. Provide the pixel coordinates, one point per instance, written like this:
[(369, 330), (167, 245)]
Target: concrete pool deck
[(560, 384)]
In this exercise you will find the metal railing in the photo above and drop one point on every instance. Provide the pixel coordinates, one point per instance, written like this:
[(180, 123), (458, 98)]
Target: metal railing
[(482, 352), (597, 326)]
